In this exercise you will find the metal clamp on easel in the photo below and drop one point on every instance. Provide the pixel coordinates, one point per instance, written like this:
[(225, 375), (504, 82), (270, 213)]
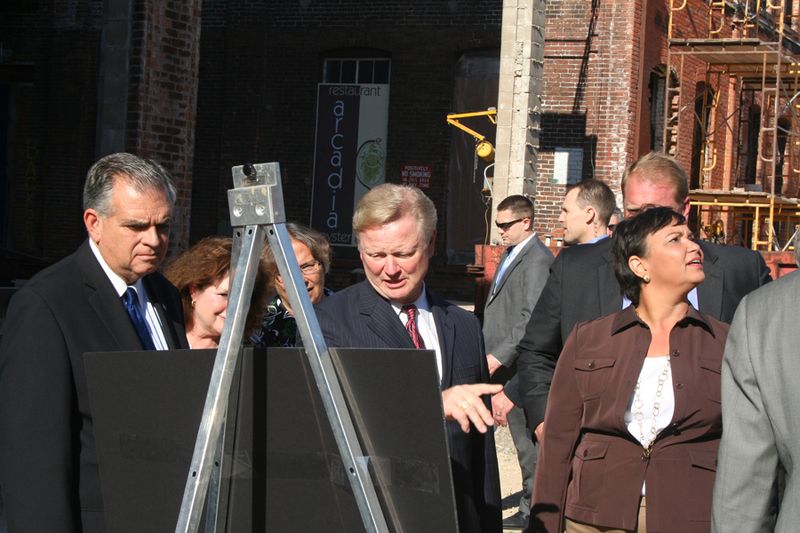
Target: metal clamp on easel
[(256, 210)]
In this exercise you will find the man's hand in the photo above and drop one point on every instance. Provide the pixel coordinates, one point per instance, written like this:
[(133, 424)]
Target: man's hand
[(501, 405), (493, 363), (539, 432), (463, 404)]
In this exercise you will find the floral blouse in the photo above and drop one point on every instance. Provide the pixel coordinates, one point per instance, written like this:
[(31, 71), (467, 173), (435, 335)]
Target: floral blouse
[(278, 327)]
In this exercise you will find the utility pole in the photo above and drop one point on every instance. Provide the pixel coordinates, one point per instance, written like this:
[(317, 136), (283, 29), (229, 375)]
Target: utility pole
[(519, 101)]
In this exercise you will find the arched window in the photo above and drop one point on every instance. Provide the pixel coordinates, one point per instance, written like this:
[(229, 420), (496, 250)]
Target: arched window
[(703, 100), (658, 92), (753, 127)]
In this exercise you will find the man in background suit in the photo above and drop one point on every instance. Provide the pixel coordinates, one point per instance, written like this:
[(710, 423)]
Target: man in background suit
[(760, 402), (395, 227), (521, 274), (83, 303), (582, 285)]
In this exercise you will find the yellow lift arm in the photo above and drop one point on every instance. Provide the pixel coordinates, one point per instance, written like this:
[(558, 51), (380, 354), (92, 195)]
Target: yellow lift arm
[(483, 148)]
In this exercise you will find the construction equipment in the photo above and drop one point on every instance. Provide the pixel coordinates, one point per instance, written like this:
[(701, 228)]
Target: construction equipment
[(750, 51), (483, 148)]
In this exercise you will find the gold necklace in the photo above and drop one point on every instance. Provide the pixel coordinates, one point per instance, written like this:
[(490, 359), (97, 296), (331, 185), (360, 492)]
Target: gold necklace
[(638, 411)]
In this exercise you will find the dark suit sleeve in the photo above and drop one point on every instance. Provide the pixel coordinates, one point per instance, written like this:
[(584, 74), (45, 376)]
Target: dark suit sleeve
[(539, 348), (327, 324), (37, 407), (763, 274)]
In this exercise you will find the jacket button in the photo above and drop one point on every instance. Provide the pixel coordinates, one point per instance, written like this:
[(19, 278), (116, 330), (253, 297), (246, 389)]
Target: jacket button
[(679, 386), (591, 364), (676, 353)]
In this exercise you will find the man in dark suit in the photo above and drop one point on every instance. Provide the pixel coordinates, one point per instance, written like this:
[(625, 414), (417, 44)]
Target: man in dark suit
[(106, 296), (582, 285), (395, 226), (585, 212), (521, 274)]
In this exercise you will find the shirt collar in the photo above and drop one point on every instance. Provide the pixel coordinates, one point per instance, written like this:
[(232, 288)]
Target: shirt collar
[(421, 303), (514, 249), (120, 285), (597, 239), (628, 317)]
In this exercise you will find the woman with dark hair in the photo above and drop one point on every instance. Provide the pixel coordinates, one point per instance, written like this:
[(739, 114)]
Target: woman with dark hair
[(633, 419), (202, 276), (313, 253)]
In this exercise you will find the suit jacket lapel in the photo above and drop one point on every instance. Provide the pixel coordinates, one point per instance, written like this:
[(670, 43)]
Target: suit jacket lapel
[(446, 333), (517, 260), (382, 320), (709, 293), (105, 302), (494, 288), (157, 299)]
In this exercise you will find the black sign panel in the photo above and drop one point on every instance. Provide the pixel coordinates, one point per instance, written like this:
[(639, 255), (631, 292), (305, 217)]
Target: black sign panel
[(338, 109)]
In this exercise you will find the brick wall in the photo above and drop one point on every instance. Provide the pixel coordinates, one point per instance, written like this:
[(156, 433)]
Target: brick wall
[(51, 67), (53, 46), (260, 65), (162, 100), (591, 95)]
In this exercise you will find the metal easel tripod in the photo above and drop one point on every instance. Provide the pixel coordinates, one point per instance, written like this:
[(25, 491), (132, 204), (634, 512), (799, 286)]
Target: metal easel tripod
[(257, 211)]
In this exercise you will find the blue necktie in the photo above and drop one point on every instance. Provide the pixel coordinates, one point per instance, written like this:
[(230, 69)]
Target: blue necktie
[(131, 301), (503, 267)]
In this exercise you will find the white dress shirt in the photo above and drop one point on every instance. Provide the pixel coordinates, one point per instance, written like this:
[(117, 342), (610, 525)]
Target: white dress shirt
[(426, 326), (150, 314)]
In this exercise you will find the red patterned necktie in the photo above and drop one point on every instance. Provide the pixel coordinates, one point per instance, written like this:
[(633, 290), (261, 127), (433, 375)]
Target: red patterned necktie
[(411, 326)]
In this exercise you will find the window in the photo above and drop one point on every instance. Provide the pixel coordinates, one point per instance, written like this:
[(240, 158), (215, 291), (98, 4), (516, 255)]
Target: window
[(356, 70)]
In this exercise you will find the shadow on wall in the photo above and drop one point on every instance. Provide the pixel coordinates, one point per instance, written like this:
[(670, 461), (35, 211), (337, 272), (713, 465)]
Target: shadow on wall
[(575, 152)]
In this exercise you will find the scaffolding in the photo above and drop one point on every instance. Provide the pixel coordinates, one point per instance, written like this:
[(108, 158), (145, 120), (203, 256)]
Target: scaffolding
[(750, 48)]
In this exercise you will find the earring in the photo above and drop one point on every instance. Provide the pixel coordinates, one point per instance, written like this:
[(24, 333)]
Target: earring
[(192, 304), (646, 278)]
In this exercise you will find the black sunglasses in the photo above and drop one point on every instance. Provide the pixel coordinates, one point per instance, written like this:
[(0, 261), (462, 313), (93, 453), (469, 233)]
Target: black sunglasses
[(505, 225)]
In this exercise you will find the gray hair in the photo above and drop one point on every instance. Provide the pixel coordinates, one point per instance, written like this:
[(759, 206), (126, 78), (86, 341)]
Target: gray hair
[(316, 242), (141, 173), (389, 202)]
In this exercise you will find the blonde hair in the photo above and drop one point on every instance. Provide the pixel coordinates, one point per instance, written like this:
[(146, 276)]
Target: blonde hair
[(658, 167), (389, 202)]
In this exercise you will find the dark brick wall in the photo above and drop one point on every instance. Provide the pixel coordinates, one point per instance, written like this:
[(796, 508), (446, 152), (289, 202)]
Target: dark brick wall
[(259, 69), (162, 100), (54, 45), (50, 68)]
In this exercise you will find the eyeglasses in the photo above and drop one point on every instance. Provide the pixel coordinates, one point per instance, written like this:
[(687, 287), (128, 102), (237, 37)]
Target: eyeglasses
[(505, 225), (311, 267)]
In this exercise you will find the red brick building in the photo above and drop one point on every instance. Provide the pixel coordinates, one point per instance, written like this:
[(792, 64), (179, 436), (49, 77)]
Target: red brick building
[(207, 84)]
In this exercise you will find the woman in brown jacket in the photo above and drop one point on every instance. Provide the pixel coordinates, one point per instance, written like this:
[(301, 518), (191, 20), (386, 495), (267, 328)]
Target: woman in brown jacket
[(633, 418)]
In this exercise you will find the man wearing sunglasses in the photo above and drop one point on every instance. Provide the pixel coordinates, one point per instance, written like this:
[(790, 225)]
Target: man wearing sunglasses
[(521, 274)]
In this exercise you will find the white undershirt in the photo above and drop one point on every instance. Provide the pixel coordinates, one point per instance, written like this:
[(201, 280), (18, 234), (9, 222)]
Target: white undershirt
[(150, 314), (648, 384), (425, 325)]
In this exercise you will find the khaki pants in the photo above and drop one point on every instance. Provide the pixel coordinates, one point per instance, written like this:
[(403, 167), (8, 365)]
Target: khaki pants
[(641, 526)]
